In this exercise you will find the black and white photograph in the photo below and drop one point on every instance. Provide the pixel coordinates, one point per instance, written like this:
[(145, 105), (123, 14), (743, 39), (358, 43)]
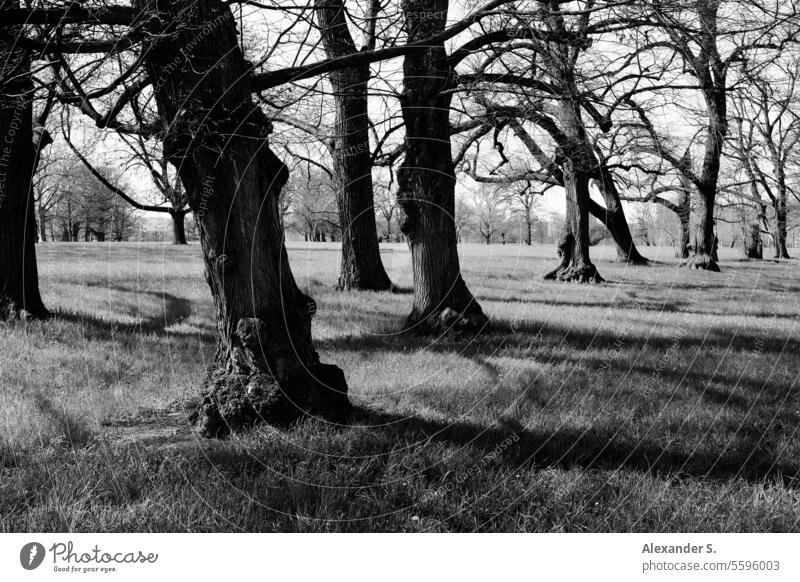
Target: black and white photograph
[(382, 267)]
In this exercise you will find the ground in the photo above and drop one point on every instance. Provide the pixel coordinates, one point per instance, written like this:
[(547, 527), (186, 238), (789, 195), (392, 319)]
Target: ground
[(663, 400)]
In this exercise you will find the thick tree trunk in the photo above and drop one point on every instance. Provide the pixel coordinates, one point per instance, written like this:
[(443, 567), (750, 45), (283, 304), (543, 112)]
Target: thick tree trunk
[(752, 242), (178, 227), (577, 162), (426, 183), (704, 240), (19, 279), (575, 266), (781, 251), (266, 367), (361, 266), (704, 243)]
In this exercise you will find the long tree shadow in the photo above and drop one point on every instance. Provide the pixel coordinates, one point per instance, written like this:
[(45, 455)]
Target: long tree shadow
[(589, 449), (176, 309), (526, 336)]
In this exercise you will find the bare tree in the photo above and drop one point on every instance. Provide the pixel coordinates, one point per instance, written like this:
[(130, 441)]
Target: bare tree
[(765, 142), (426, 181)]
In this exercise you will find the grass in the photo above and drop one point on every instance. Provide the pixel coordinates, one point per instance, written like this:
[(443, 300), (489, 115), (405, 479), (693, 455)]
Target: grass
[(664, 400)]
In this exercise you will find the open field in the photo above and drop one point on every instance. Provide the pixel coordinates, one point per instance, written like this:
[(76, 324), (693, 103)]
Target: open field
[(664, 400)]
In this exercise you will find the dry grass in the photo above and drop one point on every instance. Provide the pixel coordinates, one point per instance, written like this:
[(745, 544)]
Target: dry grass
[(665, 400)]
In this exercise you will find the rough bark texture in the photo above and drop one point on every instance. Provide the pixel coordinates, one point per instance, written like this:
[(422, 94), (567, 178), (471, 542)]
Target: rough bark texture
[(19, 279), (781, 252), (361, 266), (426, 183), (684, 215), (753, 248), (704, 241), (266, 367), (577, 162), (575, 266)]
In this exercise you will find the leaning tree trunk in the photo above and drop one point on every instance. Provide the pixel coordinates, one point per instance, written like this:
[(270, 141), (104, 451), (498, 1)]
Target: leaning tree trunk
[(613, 217), (178, 227), (19, 278), (361, 266), (426, 183), (266, 367)]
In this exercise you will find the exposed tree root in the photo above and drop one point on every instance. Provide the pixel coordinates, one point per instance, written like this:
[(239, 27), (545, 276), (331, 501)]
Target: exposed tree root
[(703, 262), (576, 274), (11, 310), (449, 321), (234, 402)]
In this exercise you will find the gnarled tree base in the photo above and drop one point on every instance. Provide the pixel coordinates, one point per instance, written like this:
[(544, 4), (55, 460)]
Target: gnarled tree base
[(235, 402), (703, 262), (11, 310), (575, 274), (349, 283), (447, 320)]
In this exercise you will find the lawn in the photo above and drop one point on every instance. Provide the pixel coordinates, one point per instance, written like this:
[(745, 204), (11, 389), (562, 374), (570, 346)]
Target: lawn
[(664, 400)]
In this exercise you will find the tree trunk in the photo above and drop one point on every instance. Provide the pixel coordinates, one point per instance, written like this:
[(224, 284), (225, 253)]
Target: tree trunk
[(574, 244), (752, 242), (361, 266), (178, 227), (19, 279), (613, 217), (266, 367), (577, 162), (684, 215), (704, 241), (426, 183), (781, 252), (42, 224)]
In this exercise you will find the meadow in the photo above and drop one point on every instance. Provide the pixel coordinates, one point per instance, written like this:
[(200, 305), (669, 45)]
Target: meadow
[(664, 400)]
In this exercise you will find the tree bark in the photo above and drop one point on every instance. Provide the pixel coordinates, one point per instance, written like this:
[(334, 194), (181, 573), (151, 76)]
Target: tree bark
[(19, 278), (781, 251), (684, 215), (426, 183), (361, 266), (752, 242), (575, 266), (704, 241), (178, 227), (577, 161), (42, 224), (266, 367)]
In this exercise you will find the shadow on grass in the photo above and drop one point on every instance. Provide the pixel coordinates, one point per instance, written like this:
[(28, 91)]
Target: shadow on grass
[(590, 449), (505, 335), (176, 309)]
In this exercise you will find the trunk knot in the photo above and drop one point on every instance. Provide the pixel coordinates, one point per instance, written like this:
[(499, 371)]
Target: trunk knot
[(251, 331)]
